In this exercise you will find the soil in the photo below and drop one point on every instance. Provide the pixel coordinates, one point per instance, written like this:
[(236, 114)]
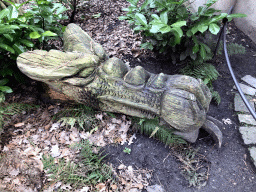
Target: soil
[(229, 168)]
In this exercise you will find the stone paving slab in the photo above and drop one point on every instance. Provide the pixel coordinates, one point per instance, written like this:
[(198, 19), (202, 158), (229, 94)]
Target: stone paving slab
[(253, 154), (250, 80), (245, 118), (249, 132), (247, 89), (239, 103), (248, 135)]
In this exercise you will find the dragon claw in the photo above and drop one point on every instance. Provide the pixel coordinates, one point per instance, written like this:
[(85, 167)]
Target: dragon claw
[(212, 125)]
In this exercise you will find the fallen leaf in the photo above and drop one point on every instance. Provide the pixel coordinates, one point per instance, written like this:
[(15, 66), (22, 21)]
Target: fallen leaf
[(121, 166), (227, 121), (19, 124), (85, 189), (55, 151), (114, 187), (14, 172), (101, 186)]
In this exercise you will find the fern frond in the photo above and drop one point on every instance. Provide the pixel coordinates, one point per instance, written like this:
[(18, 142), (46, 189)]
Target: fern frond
[(215, 96), (205, 71), (9, 109), (82, 115), (233, 49), (164, 134)]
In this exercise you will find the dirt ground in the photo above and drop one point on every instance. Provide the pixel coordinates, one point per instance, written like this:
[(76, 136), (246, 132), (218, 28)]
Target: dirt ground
[(229, 168)]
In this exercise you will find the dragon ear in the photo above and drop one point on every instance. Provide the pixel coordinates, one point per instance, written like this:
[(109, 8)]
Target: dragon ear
[(42, 65), (77, 40)]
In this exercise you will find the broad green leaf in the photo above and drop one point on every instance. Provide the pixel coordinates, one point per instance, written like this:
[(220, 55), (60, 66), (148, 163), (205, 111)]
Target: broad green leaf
[(9, 37), (202, 52), (236, 15), (145, 4), (214, 28), (48, 34), (13, 12), (156, 17), (139, 28), (60, 10), (194, 30), (164, 17), (202, 28), (5, 89), (178, 31), (179, 24), (147, 45), (18, 48), (34, 35), (141, 18), (200, 10), (195, 48), (27, 43), (154, 29), (4, 13), (210, 12), (3, 81), (189, 33), (165, 29), (7, 48), (8, 28), (218, 17), (123, 17), (194, 17)]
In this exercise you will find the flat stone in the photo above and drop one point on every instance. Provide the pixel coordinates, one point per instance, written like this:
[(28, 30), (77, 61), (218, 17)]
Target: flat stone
[(246, 89), (253, 154), (250, 80), (155, 188), (239, 103), (248, 119), (248, 135)]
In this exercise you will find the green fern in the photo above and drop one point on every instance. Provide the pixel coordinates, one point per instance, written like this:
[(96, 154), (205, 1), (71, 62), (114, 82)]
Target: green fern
[(81, 115), (9, 109), (205, 71), (164, 134), (216, 96), (233, 49), (88, 169)]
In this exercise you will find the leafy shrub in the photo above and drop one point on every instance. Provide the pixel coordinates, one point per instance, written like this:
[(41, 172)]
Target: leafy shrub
[(21, 32), (168, 27)]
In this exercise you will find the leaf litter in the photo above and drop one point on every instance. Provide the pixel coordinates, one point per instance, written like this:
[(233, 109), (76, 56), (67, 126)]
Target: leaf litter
[(21, 166)]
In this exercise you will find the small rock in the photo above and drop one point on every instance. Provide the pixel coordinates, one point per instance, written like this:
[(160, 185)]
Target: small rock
[(250, 80), (253, 154), (248, 119), (248, 134), (239, 103), (246, 89), (155, 188)]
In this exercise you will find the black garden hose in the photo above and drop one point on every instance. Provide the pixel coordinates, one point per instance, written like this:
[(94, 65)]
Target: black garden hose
[(225, 21)]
